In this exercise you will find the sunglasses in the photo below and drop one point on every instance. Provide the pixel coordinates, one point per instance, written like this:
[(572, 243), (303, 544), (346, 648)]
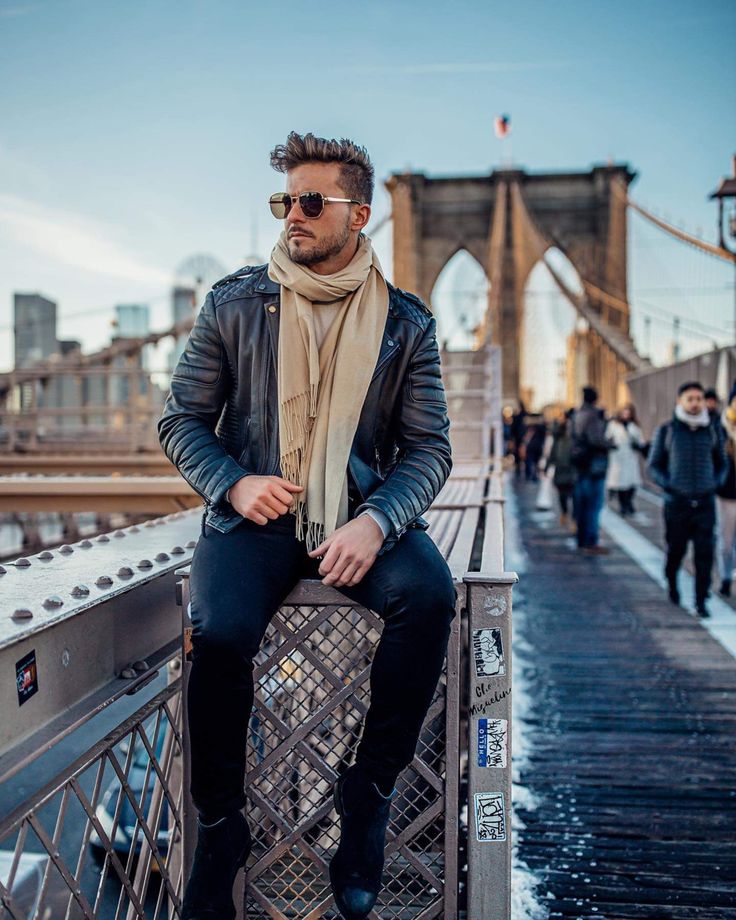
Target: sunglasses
[(311, 203)]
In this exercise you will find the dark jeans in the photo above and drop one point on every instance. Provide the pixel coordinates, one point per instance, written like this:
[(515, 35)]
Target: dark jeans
[(237, 582), (695, 520), (564, 493), (625, 500), (590, 493)]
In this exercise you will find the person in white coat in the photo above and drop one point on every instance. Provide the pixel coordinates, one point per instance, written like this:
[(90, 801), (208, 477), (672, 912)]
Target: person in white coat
[(624, 474)]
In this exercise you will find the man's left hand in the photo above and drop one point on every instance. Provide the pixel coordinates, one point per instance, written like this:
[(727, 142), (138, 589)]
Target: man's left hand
[(349, 552)]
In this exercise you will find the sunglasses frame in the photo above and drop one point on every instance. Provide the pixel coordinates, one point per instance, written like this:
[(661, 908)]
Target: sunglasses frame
[(280, 196)]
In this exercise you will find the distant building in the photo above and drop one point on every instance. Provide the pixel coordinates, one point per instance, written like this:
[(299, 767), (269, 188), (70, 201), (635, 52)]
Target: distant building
[(34, 326), (183, 305), (132, 321)]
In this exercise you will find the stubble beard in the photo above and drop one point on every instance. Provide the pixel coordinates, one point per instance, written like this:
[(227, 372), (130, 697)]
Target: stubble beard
[(321, 251)]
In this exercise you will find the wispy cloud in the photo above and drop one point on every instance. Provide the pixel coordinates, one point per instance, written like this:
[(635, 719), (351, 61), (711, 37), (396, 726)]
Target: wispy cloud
[(74, 240), (461, 67), (19, 9)]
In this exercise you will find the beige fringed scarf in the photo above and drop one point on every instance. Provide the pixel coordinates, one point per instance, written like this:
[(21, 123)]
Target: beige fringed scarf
[(321, 388)]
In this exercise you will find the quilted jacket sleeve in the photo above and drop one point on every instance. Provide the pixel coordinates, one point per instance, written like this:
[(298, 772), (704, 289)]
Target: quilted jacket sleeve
[(424, 459), (199, 388)]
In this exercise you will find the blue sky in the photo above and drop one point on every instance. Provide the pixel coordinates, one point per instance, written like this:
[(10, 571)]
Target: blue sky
[(133, 135)]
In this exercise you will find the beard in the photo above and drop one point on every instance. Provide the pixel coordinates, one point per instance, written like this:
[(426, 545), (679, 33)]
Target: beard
[(303, 253)]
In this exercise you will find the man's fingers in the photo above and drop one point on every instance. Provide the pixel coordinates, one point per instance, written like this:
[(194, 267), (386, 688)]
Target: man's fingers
[(321, 549), (330, 560), (281, 494), (284, 483), (336, 575), (273, 504)]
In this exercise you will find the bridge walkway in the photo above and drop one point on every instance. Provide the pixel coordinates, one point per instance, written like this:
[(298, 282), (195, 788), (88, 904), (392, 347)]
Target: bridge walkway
[(625, 715)]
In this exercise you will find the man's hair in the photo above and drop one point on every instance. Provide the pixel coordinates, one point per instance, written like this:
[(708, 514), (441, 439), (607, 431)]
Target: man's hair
[(690, 385), (590, 394), (710, 394), (356, 169)]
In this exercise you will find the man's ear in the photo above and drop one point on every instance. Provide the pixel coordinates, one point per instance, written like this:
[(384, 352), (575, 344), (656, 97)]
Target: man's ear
[(361, 217)]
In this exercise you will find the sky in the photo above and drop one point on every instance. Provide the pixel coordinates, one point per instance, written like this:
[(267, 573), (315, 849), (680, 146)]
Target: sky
[(135, 135)]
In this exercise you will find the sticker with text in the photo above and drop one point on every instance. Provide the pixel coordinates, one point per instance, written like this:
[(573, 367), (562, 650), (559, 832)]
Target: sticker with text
[(492, 734), (26, 677), (490, 816), (488, 653)]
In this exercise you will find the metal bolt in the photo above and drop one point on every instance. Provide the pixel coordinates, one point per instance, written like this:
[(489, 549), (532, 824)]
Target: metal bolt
[(190, 544), (176, 550), (22, 563), (149, 524), (103, 538), (22, 613), (134, 529), (140, 666), (65, 658), (103, 581), (80, 591), (145, 564), (45, 555), (85, 544), (128, 673), (125, 571), (66, 549), (53, 600), (162, 557), (119, 533)]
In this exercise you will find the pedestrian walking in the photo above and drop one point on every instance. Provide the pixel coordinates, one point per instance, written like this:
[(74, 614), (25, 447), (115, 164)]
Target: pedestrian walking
[(308, 410), (688, 460), (518, 431), (589, 455), (559, 462), (726, 500), (533, 447), (713, 404), (624, 475)]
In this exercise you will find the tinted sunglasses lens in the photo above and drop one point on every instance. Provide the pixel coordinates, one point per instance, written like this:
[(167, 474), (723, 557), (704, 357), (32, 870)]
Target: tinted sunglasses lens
[(280, 205), (312, 204)]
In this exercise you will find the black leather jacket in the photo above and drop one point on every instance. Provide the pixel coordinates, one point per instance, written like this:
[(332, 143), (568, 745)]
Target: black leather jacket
[(220, 419)]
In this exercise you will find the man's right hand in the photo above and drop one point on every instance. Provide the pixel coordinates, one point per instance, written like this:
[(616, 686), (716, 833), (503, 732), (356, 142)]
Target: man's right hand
[(263, 498)]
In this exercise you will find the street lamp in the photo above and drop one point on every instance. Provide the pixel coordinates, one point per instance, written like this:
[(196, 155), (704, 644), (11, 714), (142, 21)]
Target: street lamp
[(727, 190)]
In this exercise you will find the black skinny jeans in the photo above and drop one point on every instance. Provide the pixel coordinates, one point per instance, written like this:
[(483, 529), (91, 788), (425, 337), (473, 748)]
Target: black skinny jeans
[(690, 519), (238, 580)]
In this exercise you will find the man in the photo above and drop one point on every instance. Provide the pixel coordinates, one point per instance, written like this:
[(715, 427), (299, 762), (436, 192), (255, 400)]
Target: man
[(333, 439), (712, 404), (589, 456), (688, 460)]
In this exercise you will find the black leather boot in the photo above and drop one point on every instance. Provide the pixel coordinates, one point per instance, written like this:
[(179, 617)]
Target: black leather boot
[(356, 867), (222, 850)]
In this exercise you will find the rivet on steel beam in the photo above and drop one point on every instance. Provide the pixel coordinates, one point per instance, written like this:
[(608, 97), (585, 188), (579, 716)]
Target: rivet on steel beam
[(52, 601), (3, 570), (45, 555), (128, 673), (140, 666), (103, 581), (145, 564), (22, 613), (135, 529), (176, 550), (149, 524), (85, 544), (103, 538), (22, 563), (119, 533), (66, 549), (162, 557), (125, 571), (80, 591), (190, 544)]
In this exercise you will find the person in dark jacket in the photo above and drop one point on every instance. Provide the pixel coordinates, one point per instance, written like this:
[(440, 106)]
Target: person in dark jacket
[(309, 412), (726, 500), (713, 404), (688, 460), (589, 455), (533, 447), (564, 471)]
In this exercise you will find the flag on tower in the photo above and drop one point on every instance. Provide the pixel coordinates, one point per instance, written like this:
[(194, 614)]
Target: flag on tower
[(502, 125)]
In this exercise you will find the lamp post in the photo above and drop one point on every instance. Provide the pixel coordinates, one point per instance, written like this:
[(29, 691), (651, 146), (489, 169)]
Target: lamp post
[(727, 190)]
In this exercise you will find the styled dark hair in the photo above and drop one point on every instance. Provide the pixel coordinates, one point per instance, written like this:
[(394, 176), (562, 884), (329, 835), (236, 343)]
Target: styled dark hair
[(356, 169), (690, 385), (710, 394), (590, 394)]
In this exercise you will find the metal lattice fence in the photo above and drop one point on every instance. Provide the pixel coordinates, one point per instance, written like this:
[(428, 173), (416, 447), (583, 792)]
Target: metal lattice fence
[(95, 841)]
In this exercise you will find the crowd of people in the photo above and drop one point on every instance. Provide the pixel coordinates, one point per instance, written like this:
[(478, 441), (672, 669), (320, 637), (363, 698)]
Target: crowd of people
[(587, 455)]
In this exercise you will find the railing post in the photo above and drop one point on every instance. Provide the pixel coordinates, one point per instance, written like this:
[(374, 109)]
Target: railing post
[(489, 745)]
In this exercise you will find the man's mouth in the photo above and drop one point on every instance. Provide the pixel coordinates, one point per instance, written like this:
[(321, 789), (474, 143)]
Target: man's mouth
[(296, 234)]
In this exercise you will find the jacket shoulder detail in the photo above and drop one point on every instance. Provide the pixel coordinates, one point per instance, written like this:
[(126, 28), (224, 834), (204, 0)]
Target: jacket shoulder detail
[(409, 305), (235, 284)]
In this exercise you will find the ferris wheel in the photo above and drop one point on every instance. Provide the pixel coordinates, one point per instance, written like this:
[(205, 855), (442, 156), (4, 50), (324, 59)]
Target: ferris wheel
[(200, 272)]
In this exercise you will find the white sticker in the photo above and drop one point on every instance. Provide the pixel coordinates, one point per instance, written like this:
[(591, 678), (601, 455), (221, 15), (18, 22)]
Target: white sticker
[(490, 816), (492, 735), (495, 604), (488, 653)]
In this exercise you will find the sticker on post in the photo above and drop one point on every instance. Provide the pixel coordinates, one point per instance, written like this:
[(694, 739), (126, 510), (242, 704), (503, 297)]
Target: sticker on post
[(488, 653), (490, 817), (492, 735), (26, 677)]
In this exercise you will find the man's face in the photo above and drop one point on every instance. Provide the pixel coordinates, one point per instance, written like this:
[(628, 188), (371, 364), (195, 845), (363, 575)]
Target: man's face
[(692, 401), (711, 404), (314, 241)]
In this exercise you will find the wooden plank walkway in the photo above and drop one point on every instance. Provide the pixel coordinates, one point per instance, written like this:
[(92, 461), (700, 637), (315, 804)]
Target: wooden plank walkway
[(627, 710)]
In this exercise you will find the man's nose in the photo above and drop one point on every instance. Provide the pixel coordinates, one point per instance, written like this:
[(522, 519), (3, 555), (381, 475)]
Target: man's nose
[(295, 215)]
